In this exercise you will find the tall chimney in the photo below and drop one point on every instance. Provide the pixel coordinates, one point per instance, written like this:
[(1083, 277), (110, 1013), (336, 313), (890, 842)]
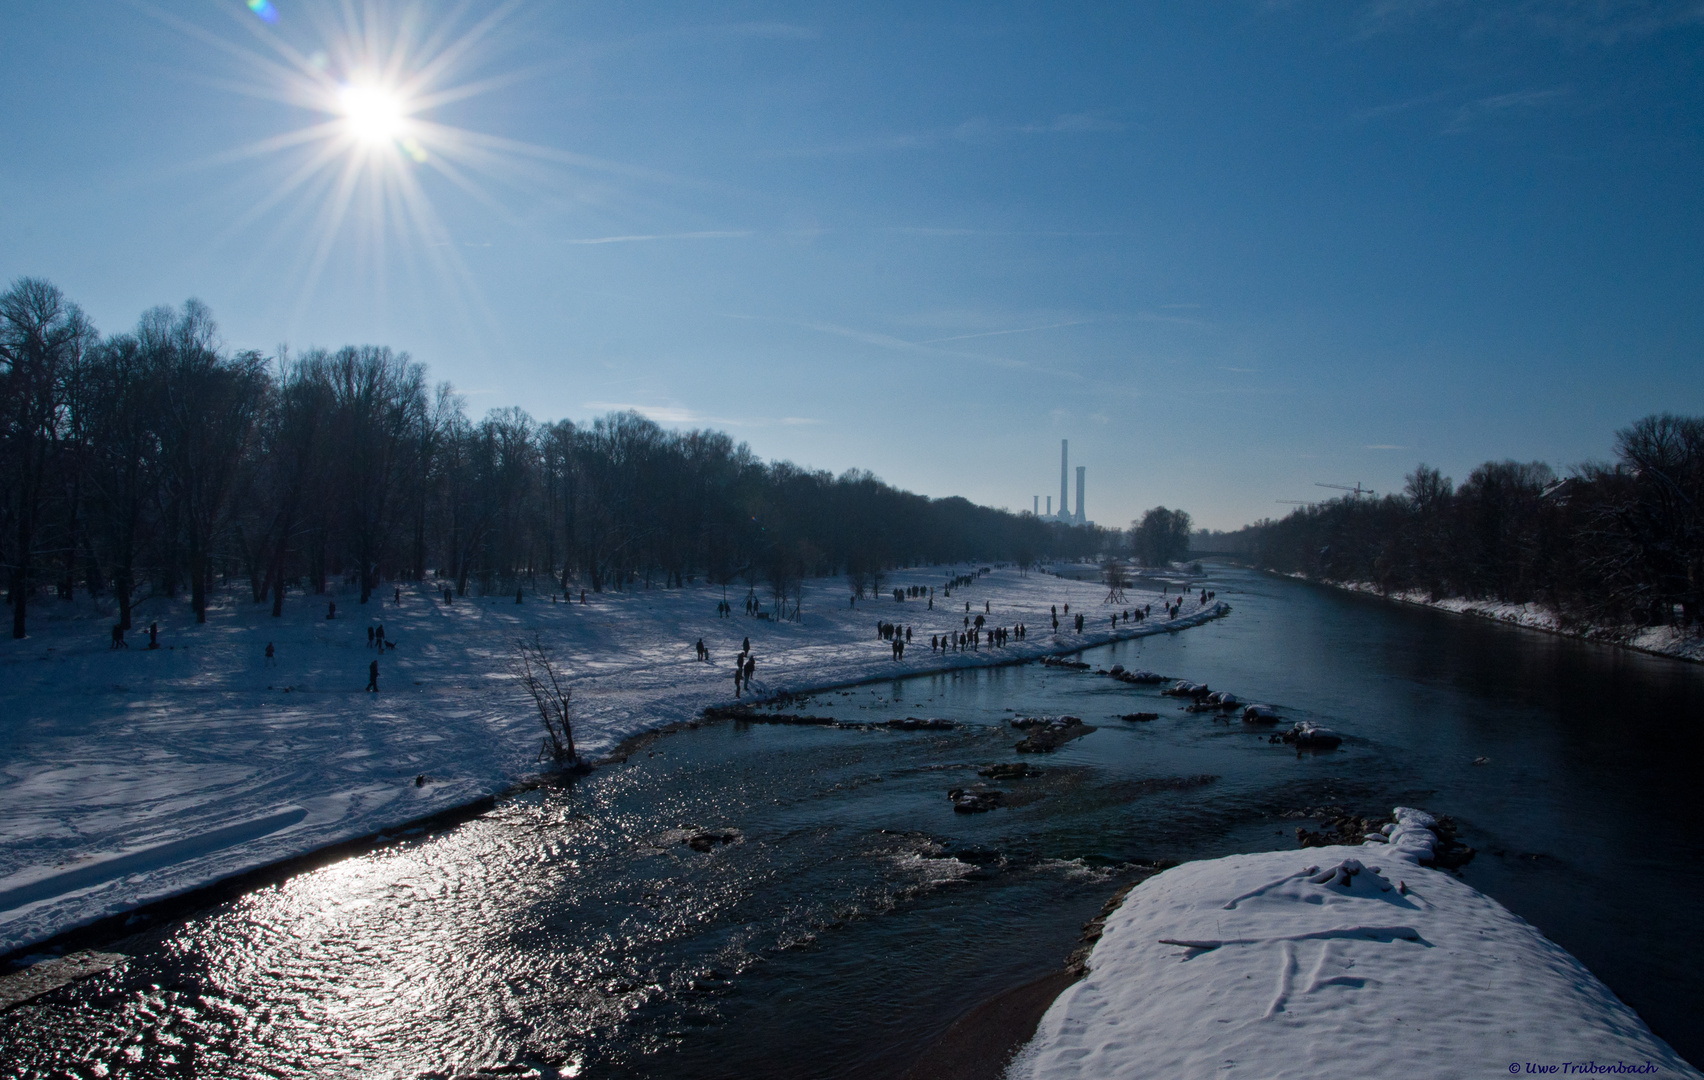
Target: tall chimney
[(1081, 520), (1064, 458), (1037, 510), (1050, 506)]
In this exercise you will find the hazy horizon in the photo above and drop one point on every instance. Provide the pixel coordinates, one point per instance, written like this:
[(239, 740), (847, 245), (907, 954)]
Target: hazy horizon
[(1229, 253)]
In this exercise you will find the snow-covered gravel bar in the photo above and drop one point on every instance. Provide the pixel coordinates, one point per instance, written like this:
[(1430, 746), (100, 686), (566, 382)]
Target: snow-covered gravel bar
[(1331, 962), (130, 775)]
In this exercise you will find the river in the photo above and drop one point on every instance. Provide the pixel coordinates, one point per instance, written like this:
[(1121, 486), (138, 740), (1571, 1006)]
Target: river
[(851, 914)]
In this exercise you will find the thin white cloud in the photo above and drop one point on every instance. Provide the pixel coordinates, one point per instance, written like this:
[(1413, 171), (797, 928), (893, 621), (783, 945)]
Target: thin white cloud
[(1002, 333), (1498, 104), (1361, 116), (1176, 320), (662, 414), (679, 414), (720, 234), (890, 343)]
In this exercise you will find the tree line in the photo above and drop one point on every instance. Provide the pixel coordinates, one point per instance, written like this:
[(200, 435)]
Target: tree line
[(1617, 543), (157, 463)]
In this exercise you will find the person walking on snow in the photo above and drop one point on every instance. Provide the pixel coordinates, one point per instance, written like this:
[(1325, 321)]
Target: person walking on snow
[(373, 676), (271, 656)]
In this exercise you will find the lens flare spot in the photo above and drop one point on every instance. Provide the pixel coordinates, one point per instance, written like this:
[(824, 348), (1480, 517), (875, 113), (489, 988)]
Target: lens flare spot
[(265, 10)]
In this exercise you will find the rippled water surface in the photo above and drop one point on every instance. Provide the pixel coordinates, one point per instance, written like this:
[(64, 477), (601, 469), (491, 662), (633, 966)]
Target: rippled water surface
[(852, 915)]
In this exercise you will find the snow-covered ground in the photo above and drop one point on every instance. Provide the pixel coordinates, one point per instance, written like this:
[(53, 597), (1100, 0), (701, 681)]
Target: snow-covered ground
[(1285, 964), (1669, 641), (131, 775)]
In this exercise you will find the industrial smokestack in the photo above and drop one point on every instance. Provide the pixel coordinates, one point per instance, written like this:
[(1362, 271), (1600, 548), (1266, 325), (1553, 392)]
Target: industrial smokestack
[(1081, 519), (1037, 510), (1050, 506), (1064, 460)]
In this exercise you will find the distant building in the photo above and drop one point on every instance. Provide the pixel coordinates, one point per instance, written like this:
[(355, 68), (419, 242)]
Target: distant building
[(1064, 515)]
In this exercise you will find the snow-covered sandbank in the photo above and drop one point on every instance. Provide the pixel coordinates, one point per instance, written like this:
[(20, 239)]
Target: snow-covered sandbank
[(130, 775), (1670, 641), (1349, 961)]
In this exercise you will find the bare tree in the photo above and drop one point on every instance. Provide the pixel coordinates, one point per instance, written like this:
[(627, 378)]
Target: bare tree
[(209, 409), (1116, 580), (41, 335), (531, 665)]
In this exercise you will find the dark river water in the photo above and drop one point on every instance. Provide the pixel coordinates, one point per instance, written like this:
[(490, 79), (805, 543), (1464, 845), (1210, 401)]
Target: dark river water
[(853, 915)]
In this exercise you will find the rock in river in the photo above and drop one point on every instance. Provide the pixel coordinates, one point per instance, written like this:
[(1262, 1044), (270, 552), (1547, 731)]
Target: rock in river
[(1050, 734), (976, 800), (1310, 737), (1016, 770)]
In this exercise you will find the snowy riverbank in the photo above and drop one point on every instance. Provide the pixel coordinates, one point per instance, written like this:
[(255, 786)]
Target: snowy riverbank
[(1670, 641), (1348, 961), (131, 775)]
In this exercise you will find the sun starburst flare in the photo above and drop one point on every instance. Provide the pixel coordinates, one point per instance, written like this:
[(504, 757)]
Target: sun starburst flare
[(371, 75)]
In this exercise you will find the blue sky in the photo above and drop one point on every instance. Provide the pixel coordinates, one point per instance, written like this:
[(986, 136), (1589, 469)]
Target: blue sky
[(1229, 249)]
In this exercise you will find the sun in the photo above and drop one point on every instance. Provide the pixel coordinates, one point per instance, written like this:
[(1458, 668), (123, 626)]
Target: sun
[(372, 78), (374, 115)]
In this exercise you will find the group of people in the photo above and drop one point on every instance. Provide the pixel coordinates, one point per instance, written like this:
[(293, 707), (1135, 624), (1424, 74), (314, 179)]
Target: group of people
[(376, 638), (1131, 616), (913, 592), (745, 665), (971, 637)]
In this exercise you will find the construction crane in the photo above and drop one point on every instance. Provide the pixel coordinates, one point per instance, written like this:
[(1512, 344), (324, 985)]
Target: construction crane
[(1357, 490)]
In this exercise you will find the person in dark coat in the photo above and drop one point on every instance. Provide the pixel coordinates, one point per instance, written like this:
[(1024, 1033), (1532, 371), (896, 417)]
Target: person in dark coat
[(153, 635), (118, 641), (373, 676), (271, 655)]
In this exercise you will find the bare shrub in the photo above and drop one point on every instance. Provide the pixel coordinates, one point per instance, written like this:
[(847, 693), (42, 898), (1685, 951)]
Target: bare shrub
[(531, 665)]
